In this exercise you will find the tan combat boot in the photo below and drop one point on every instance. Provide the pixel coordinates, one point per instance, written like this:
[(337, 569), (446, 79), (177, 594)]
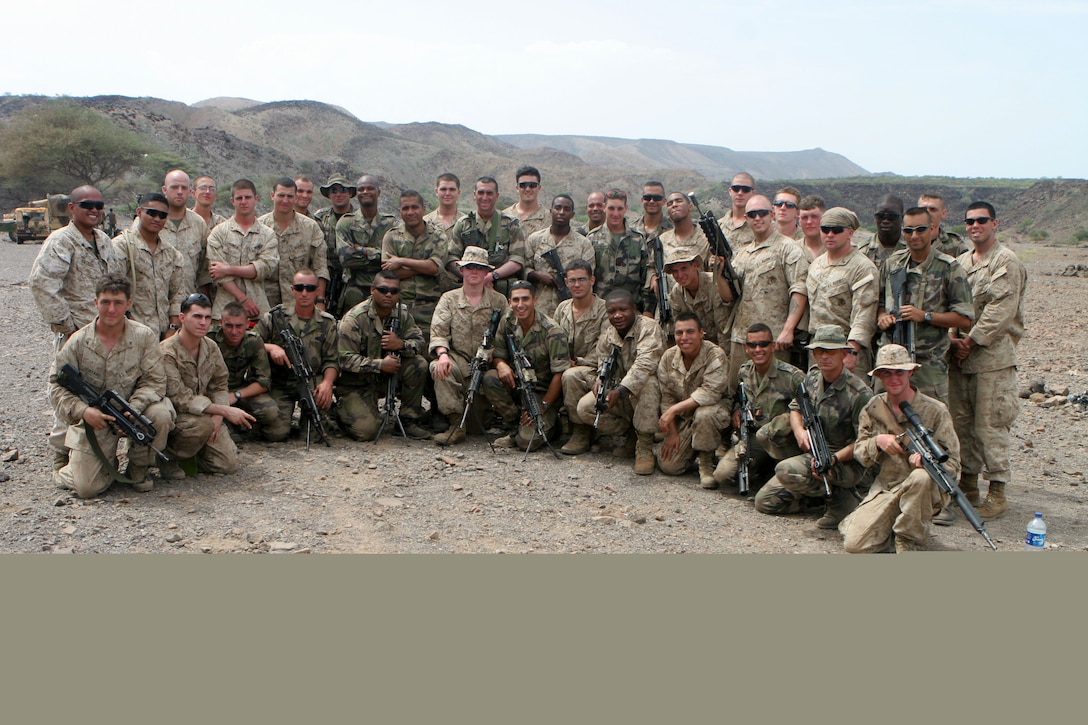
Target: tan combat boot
[(628, 448), (706, 469), (580, 440), (454, 434), (995, 504), (644, 454), (839, 505), (969, 486), (903, 545)]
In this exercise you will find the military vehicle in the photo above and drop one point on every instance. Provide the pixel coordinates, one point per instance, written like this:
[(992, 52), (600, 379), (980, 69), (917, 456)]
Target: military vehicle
[(38, 219)]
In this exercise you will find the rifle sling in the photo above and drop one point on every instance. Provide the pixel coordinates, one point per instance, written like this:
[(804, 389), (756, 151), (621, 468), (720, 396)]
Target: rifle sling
[(114, 473)]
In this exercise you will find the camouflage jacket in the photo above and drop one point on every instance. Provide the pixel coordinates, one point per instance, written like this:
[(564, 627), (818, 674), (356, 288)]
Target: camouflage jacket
[(319, 341), (359, 345), (713, 311), (544, 343), (257, 246), (300, 246), (950, 243), (190, 237), (571, 248), (583, 333), (502, 237), (398, 242), (621, 261), (771, 394), (998, 286), (193, 385), (359, 246), (737, 234), (893, 470), (640, 352), (459, 326), (839, 405), (704, 382), (539, 219), (769, 273), (159, 282), (247, 363), (65, 273), (878, 253), (326, 219), (844, 292)]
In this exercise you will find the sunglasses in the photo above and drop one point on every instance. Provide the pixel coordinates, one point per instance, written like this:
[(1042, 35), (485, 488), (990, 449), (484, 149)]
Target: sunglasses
[(887, 216), (88, 204), (653, 197), (741, 188), (976, 220), (758, 343), (307, 287), (757, 213), (832, 230), (154, 213), (387, 290), (907, 231), (197, 298), (528, 184), (787, 204)]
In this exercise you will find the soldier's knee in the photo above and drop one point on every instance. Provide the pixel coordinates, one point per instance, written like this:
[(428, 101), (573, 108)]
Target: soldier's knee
[(776, 499)]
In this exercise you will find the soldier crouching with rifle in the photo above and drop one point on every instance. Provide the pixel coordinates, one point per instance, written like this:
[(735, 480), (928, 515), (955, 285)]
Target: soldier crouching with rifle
[(112, 353)]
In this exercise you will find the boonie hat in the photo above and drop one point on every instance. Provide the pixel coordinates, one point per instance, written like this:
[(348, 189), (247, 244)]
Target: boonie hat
[(679, 255), (476, 256), (839, 216), (828, 337), (337, 181), (893, 357)]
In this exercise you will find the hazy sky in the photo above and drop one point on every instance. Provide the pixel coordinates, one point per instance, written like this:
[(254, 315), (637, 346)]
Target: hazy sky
[(948, 88)]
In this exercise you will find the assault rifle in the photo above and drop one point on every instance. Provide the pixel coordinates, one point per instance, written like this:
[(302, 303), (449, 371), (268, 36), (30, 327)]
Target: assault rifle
[(296, 355), (662, 283), (389, 407), (604, 382), (719, 246), (747, 427), (903, 331), (817, 441), (525, 377), (552, 258), (333, 290), (127, 421), (480, 363), (920, 440)]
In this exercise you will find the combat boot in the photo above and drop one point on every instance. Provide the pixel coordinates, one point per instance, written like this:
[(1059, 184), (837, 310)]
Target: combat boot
[(838, 506), (945, 517), (580, 440), (995, 504), (706, 470), (969, 486), (903, 545), (139, 478), (644, 454), (628, 448), (60, 459), (453, 434)]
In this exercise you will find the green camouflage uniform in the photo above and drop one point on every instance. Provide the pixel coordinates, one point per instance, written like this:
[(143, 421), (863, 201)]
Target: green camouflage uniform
[(704, 382), (621, 261), (950, 243), (571, 247), (248, 363), (504, 241), (326, 219), (420, 292), (877, 253), (359, 247), (158, 279), (257, 246), (300, 246)]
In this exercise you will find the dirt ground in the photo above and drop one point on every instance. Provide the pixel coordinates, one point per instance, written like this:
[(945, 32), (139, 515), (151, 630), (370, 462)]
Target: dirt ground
[(407, 496)]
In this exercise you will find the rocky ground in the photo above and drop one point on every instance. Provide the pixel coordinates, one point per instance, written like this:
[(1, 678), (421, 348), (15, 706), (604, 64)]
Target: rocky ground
[(407, 496)]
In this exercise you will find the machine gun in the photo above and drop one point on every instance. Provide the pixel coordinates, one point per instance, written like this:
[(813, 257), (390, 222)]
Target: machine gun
[(526, 378), (920, 440), (604, 382), (747, 428), (817, 441), (480, 363), (663, 306), (552, 258), (389, 407), (903, 331), (719, 246), (127, 421), (296, 355)]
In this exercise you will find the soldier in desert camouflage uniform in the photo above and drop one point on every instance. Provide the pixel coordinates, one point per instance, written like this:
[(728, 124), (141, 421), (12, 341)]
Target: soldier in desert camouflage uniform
[(584, 320), (340, 192), (532, 216), (568, 243), (185, 230), (242, 254), (696, 291), (735, 221), (300, 244)]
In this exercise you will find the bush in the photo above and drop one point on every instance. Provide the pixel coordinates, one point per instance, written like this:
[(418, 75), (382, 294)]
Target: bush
[(1038, 235), (1080, 235)]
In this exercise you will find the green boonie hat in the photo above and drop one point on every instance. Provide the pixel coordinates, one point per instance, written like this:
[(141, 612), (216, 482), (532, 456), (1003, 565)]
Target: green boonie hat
[(476, 256), (839, 216), (337, 181), (828, 337), (679, 255), (893, 357)]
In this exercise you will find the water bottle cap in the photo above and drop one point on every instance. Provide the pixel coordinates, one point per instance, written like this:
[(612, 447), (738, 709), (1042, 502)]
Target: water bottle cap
[(1038, 514)]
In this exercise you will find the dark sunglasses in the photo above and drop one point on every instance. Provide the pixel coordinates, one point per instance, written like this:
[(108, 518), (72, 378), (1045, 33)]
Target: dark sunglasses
[(976, 220), (653, 197), (741, 188), (922, 229), (197, 298), (89, 204), (787, 204), (155, 213), (387, 290), (528, 184), (307, 287), (887, 216), (758, 343), (757, 213), (832, 230)]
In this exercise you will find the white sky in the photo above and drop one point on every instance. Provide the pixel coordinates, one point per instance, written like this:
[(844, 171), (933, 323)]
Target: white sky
[(966, 88)]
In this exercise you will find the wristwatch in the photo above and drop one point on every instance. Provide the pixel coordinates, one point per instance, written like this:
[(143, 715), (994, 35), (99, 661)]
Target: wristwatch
[(495, 276), (174, 327), (929, 318), (237, 395)]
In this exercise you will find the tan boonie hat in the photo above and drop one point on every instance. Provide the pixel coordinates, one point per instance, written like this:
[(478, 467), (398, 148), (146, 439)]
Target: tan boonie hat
[(475, 255), (337, 181), (839, 216), (679, 255), (828, 337), (893, 357)]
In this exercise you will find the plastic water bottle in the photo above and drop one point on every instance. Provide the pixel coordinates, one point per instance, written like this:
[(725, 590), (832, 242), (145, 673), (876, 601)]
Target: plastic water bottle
[(1035, 540)]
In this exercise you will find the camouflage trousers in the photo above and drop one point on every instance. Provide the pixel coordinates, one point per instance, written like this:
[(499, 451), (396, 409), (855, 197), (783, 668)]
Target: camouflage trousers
[(357, 407), (794, 481), (192, 437), (903, 510), (769, 444), (640, 411), (265, 410), (983, 407), (698, 433), (451, 391), (87, 475), (507, 403), (577, 381), (286, 400)]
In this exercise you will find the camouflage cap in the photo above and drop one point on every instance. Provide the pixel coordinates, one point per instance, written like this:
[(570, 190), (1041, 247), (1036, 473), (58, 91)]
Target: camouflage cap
[(337, 181), (476, 256), (839, 216), (893, 357), (679, 255), (828, 337)]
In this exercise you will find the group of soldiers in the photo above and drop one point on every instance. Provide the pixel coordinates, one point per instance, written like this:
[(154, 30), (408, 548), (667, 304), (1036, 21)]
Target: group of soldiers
[(521, 325)]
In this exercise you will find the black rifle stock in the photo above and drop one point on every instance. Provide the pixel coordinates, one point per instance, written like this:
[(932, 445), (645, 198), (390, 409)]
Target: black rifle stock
[(747, 427), (663, 305), (552, 258), (389, 407), (719, 246), (480, 363), (604, 382), (817, 441), (525, 377), (903, 331), (127, 421), (296, 355), (920, 440)]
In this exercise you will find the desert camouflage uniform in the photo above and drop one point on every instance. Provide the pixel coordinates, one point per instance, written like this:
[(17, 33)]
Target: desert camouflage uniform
[(982, 393), (359, 246), (713, 311), (572, 247), (950, 243), (902, 499), (216, 220), (770, 396), (190, 237), (420, 292), (582, 337), (158, 279), (133, 368), (936, 285), (640, 353), (839, 406), (319, 340), (361, 382), (845, 292), (447, 280), (739, 235), (703, 382), (248, 363), (695, 244), (539, 219), (769, 274), (193, 385), (229, 244), (504, 241), (300, 246), (621, 261), (459, 326), (64, 275)]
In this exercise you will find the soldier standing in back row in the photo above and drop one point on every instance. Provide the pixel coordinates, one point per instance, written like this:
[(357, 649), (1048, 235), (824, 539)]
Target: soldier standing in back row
[(498, 234), (568, 244), (359, 242)]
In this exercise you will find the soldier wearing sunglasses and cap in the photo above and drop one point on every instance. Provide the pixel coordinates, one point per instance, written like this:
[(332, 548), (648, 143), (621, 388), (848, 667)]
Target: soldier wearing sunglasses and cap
[(339, 191)]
